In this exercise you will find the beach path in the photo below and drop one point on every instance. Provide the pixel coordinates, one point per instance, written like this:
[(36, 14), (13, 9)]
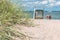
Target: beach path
[(43, 30)]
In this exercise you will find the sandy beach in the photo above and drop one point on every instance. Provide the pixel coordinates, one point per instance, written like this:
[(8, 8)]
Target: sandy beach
[(44, 29)]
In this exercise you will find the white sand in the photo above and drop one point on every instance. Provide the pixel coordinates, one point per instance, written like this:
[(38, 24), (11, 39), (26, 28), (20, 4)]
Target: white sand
[(43, 30)]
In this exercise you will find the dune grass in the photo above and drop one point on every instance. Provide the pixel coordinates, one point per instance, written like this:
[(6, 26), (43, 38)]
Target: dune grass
[(9, 16)]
